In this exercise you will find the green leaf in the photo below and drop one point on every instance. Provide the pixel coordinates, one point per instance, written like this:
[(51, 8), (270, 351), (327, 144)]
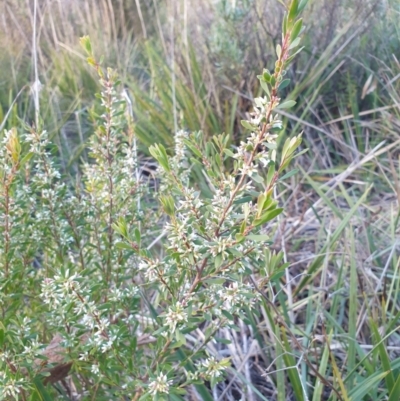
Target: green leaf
[(362, 389), (41, 389), (229, 153), (265, 87), (269, 204), (284, 26), (295, 43), (85, 43), (266, 75), (174, 397), (385, 360), (180, 338), (293, 373), (239, 238), (123, 245), (267, 217), (289, 174), (2, 336), (137, 236), (278, 51), (26, 158), (301, 6), (271, 146), (286, 105), (168, 204), (260, 203), (319, 385), (160, 154), (395, 393), (228, 315), (293, 10), (246, 124), (218, 261), (193, 148), (284, 84), (289, 59), (271, 173), (244, 199), (243, 227), (257, 178), (296, 30), (301, 153)]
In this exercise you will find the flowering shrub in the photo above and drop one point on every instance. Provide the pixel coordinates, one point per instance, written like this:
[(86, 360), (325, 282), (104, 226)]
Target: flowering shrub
[(92, 306)]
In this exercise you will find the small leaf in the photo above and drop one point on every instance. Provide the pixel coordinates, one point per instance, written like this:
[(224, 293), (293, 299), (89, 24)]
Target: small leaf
[(284, 26), (2, 336), (123, 245), (287, 105), (266, 75), (229, 153), (227, 315), (301, 153), (193, 148), (26, 158), (85, 43), (301, 6), (267, 217), (265, 87), (91, 61), (284, 84), (245, 199), (222, 340), (218, 261), (271, 173), (295, 43), (246, 124), (180, 338), (271, 146), (278, 51), (296, 29), (288, 60), (289, 174), (269, 204), (257, 178), (239, 238), (243, 227), (293, 10), (137, 236), (260, 203), (160, 154)]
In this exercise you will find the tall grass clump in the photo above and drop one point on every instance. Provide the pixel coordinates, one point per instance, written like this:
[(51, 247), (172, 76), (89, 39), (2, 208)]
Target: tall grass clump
[(94, 303), (215, 49)]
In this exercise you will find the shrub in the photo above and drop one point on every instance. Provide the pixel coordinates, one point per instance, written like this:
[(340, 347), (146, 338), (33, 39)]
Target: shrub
[(88, 289)]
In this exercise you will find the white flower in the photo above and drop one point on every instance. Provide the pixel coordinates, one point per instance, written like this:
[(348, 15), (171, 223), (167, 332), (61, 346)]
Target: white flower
[(160, 385), (95, 369), (220, 247), (214, 368), (10, 389), (174, 316)]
